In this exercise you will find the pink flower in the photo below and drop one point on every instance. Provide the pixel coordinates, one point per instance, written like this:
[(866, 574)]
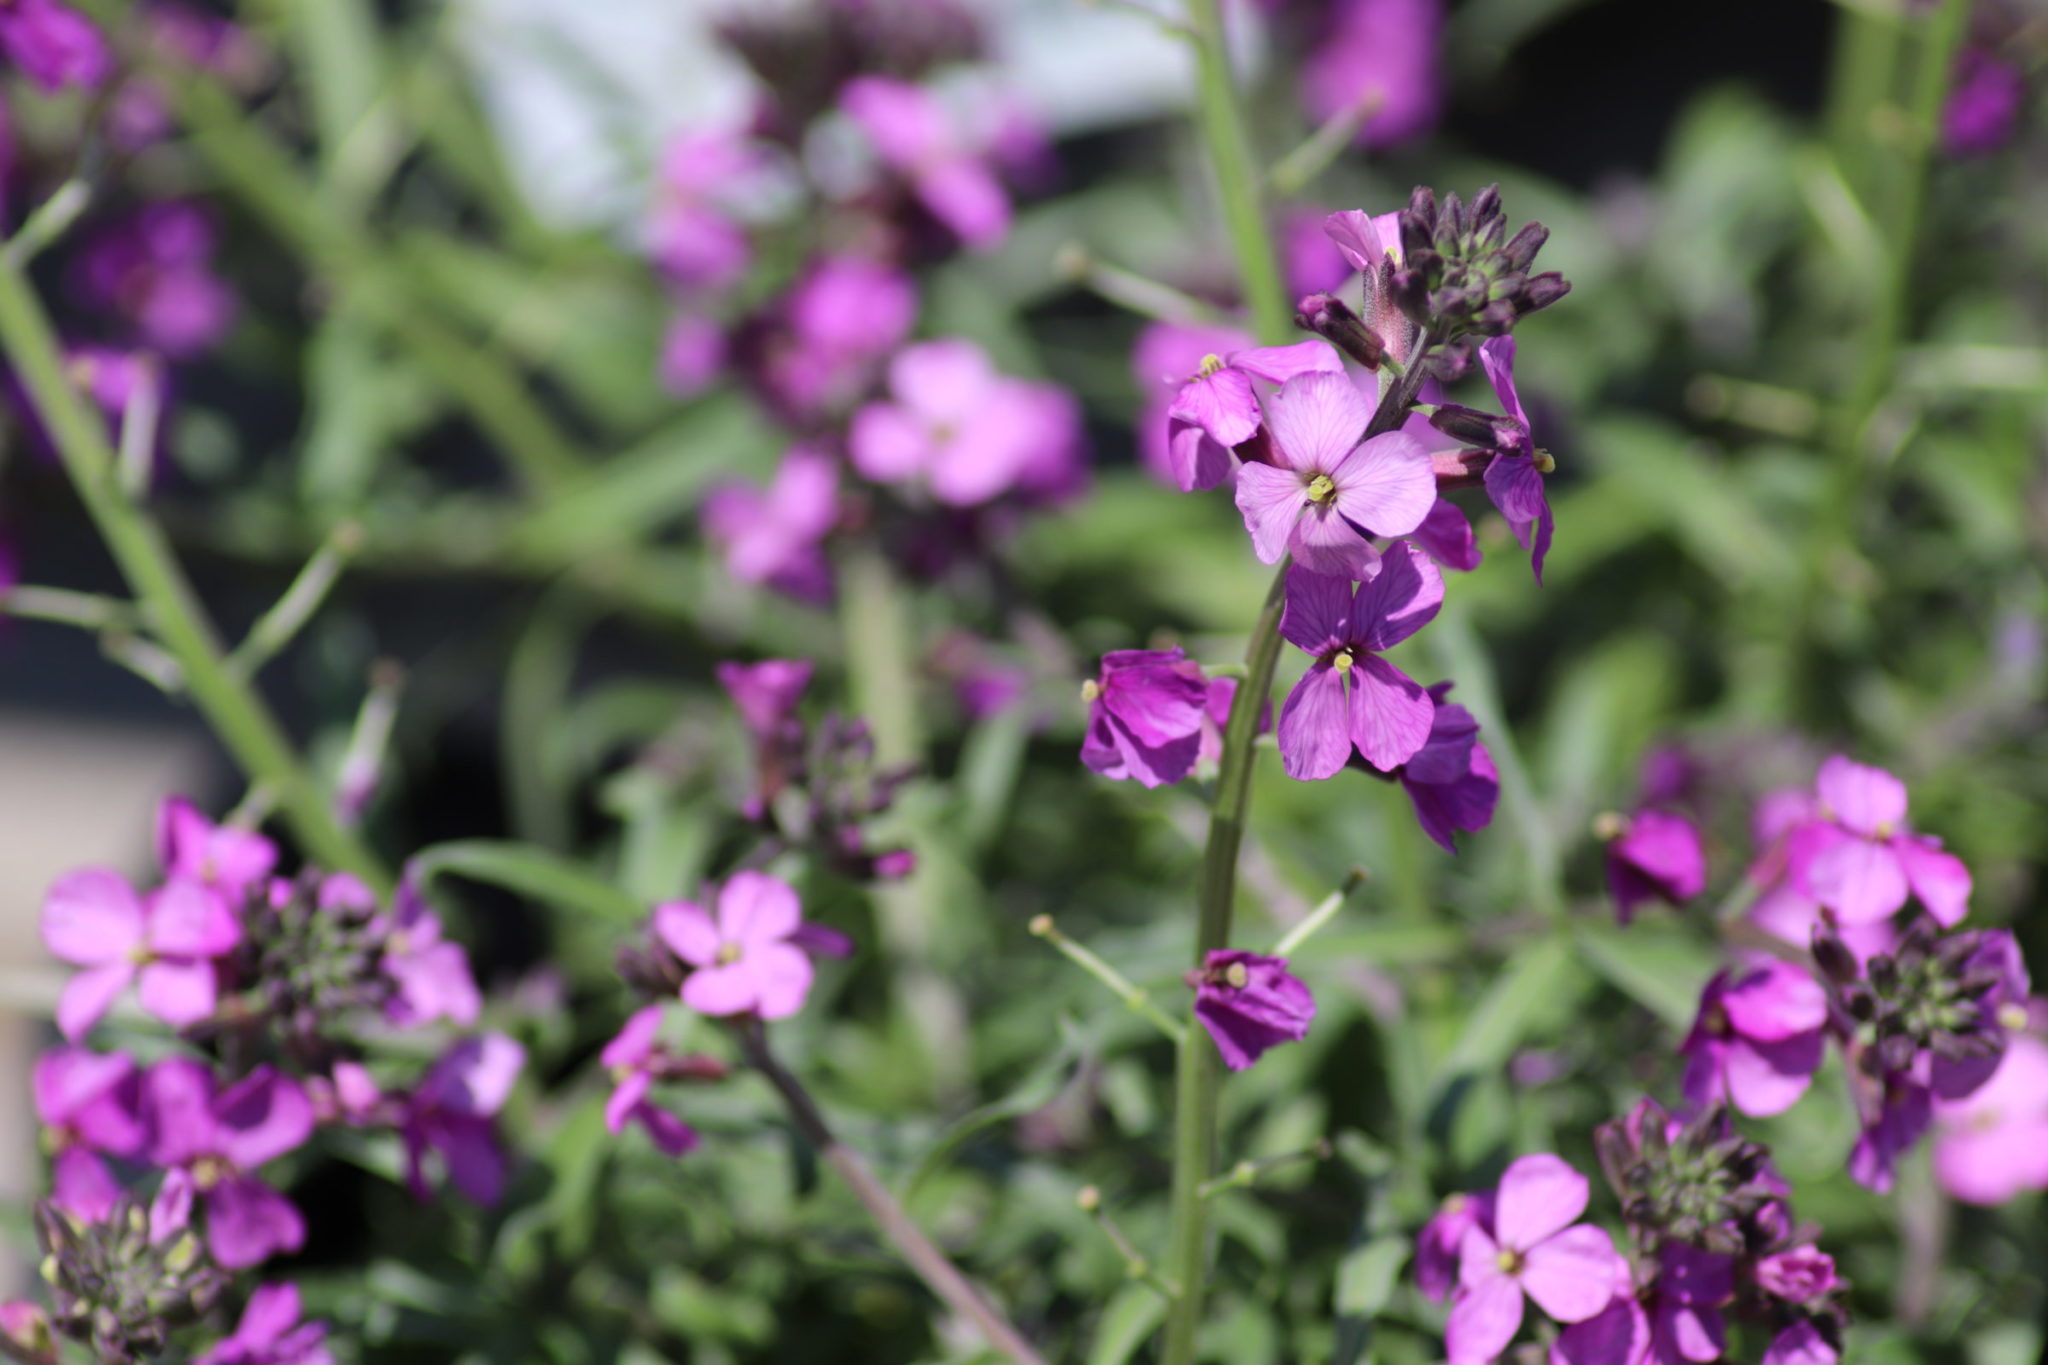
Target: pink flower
[(1801, 1275), (219, 1138), (1217, 409), (1861, 861), (155, 270), (1758, 1039), (693, 351), (693, 237), (818, 353), (1801, 1344), (963, 431), (1351, 697), (775, 536), (1654, 855), (1249, 1003), (919, 140), (232, 861), (270, 1333), (1381, 55), (54, 45), (744, 959), (1326, 492), (630, 1058), (166, 943), (1571, 1271), (1165, 355), (88, 1103), (450, 1116), (1436, 1246), (1146, 709), (431, 973), (1992, 1144)]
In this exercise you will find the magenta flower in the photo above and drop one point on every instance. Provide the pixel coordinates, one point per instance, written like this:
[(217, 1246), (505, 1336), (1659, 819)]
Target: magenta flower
[(1654, 855), (1895, 1117), (693, 351), (1801, 1344), (2003, 1008), (630, 1059), (25, 1330), (744, 959), (1436, 1246), (1381, 56), (1677, 1319), (234, 862), (960, 429), (1535, 1248), (1311, 260), (219, 1138), (835, 327), (1217, 409), (1250, 1002), (432, 974), (1450, 780), (776, 536), (1985, 98), (270, 1333), (88, 1104), (692, 236), (165, 943), (1351, 697), (155, 270), (1165, 355), (766, 693), (1758, 1039), (1801, 1275), (54, 45), (1145, 714), (916, 137), (1446, 536), (1327, 492), (1514, 478), (1992, 1144), (450, 1116), (1862, 861)]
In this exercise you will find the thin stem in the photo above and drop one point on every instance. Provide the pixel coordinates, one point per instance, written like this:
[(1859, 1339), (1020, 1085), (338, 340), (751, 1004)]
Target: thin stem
[(931, 1265), (237, 715), (1314, 920), (1245, 1174), (1130, 291), (1119, 985), (1313, 156), (1238, 181), (288, 615), (1089, 1200), (50, 220)]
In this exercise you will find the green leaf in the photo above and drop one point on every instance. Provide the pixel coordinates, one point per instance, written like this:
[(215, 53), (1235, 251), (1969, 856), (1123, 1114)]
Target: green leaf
[(989, 763), (1034, 1092), (531, 872), (1132, 1316), (1368, 1274), (1543, 980), (1660, 970)]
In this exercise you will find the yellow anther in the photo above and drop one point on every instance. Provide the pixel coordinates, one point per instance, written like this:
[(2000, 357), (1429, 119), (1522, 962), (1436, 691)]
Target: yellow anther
[(1342, 663), (1090, 690), (1236, 975), (1210, 364), (1321, 488), (1544, 462)]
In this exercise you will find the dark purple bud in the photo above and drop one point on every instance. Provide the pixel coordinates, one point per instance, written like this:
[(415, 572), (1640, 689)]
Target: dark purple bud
[(1330, 318), (1895, 1053), (1476, 428), (1496, 319), (1486, 207), (1418, 222), (1520, 252), (1410, 292), (1543, 290), (1833, 957)]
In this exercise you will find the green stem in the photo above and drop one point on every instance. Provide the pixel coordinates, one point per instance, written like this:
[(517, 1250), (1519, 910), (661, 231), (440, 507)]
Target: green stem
[(1121, 986), (1238, 180), (237, 715)]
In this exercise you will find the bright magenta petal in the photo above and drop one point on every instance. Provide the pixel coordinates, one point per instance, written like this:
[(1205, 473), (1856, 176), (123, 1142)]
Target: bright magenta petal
[(1315, 738), (1271, 500), (1539, 1195), (1571, 1276), (1315, 420)]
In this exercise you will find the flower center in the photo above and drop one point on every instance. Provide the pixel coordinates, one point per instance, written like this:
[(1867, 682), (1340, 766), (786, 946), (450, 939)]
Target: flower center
[(209, 1171), (1236, 976), (140, 955), (1090, 690), (1321, 488), (1509, 1260), (729, 953), (1343, 661), (2012, 1016), (1210, 364)]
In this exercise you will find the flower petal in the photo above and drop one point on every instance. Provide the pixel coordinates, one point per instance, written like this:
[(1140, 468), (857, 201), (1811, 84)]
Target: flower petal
[(179, 993), (1860, 880), (261, 1117), (888, 444), (187, 919), (1938, 878), (91, 918), (1221, 404), (1315, 726), (1390, 713), (720, 990), (1867, 800), (1317, 617), (1766, 1078), (1484, 1319), (1386, 485), (1278, 364), (1571, 1276), (1197, 460), (248, 1222), (754, 907), (688, 930), (1271, 500), (1538, 1195), (782, 978), (1401, 599), (87, 997), (1316, 420), (1446, 536), (1323, 541)]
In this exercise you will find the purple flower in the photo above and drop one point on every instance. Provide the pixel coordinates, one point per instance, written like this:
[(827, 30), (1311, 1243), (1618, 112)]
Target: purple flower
[(451, 1115), (1514, 478), (1250, 1002), (957, 427), (2002, 1010), (87, 1102), (1165, 355), (1351, 697), (25, 1330), (1992, 1144), (693, 351), (1801, 1275), (155, 270), (775, 536), (692, 236), (165, 943), (1446, 536), (1677, 1319), (766, 693), (630, 1059), (1894, 1118), (53, 44), (1145, 714), (1861, 860), (1758, 1039), (234, 862), (1313, 263), (745, 962), (1801, 1344), (818, 352), (431, 973), (1382, 56), (1327, 491), (1985, 98), (270, 1333), (1436, 1246), (1217, 409), (1451, 779), (1535, 1248), (219, 1138), (917, 138), (1654, 855)]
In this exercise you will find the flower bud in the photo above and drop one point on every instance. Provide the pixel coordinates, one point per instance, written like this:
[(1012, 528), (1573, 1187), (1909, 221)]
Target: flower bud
[(1475, 428), (1330, 318)]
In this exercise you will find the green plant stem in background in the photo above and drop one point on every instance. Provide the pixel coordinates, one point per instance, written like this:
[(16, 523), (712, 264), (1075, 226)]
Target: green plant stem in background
[(932, 1265), (173, 611), (1239, 182)]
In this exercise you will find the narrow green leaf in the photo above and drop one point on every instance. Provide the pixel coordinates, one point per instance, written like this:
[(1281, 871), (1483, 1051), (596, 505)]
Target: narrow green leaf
[(1661, 971), (1130, 1319), (530, 872), (1543, 979)]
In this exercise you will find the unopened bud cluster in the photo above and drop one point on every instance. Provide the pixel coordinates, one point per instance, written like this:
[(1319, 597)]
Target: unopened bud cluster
[(1461, 275), (120, 1285)]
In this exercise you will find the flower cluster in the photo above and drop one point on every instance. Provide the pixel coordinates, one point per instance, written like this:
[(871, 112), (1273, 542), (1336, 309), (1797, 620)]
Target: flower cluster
[(278, 987)]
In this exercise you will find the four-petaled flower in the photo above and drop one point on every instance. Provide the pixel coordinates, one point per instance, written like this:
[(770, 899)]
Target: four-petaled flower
[(1351, 697), (165, 942), (1653, 855), (218, 1138), (744, 959), (1861, 860), (1536, 1247), (270, 1333), (1758, 1039), (1250, 1002), (1146, 710)]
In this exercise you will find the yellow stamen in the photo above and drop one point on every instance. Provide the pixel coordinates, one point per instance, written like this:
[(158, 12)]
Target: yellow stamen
[(1342, 663), (1236, 975), (1210, 364), (1090, 690), (1321, 488), (1545, 462), (729, 953)]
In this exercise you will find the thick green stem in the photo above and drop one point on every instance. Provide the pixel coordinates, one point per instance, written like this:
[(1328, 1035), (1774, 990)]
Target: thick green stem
[(1239, 181), (237, 715)]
